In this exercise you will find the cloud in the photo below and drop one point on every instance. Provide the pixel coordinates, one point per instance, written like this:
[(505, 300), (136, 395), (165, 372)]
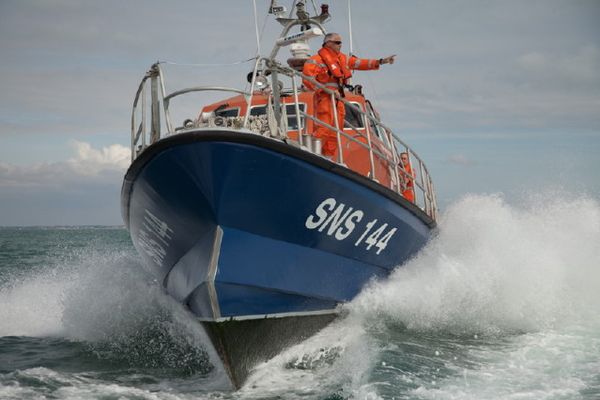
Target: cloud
[(91, 162), (581, 66), (465, 69), (77, 66), (533, 61), (88, 165), (83, 189), (473, 66), (459, 159), (551, 90)]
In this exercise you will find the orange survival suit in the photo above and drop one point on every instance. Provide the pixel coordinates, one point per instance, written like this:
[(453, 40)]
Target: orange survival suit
[(409, 184), (333, 70)]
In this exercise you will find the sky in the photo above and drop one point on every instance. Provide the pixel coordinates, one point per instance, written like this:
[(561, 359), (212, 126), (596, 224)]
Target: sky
[(497, 97)]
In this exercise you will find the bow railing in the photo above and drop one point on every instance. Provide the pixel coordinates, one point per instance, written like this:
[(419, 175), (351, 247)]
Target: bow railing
[(274, 124)]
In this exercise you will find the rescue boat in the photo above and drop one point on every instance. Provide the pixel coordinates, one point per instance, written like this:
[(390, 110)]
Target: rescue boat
[(247, 224)]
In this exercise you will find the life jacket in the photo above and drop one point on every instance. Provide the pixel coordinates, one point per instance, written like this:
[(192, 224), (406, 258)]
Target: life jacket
[(410, 172), (337, 64), (409, 187), (333, 70)]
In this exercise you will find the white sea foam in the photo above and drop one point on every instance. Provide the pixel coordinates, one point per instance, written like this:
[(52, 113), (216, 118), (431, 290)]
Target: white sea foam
[(41, 303), (112, 295), (543, 365), (124, 307), (515, 290), (110, 302), (71, 386), (518, 287), (32, 306), (334, 360), (497, 268)]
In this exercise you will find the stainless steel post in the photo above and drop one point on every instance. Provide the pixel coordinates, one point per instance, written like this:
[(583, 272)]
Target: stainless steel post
[(296, 101), (276, 98), (425, 199), (155, 127), (337, 133), (371, 160), (394, 157), (249, 99), (144, 116), (165, 103)]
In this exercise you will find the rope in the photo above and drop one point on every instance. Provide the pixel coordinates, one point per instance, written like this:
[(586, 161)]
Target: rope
[(262, 31)]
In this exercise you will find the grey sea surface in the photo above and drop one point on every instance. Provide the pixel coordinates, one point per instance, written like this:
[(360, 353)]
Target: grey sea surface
[(502, 304)]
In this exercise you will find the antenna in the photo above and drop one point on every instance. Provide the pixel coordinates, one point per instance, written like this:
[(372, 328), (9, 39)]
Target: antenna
[(256, 29), (350, 27)]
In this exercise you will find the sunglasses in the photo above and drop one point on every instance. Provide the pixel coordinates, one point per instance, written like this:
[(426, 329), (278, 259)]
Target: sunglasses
[(335, 41)]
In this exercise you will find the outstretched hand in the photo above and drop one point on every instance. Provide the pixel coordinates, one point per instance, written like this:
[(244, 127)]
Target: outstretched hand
[(388, 59)]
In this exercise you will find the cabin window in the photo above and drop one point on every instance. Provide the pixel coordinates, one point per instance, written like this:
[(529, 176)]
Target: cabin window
[(353, 117), (258, 110), (228, 112), (290, 109), (376, 129)]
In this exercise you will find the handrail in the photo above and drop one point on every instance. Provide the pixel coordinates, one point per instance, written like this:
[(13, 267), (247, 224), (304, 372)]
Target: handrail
[(204, 88), (349, 137), (165, 103), (347, 103), (142, 129), (424, 183), (377, 152), (277, 122)]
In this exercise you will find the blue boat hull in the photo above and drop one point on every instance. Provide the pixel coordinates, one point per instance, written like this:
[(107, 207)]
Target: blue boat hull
[(240, 227)]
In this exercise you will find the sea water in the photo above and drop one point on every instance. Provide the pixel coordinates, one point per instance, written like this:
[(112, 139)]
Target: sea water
[(503, 303)]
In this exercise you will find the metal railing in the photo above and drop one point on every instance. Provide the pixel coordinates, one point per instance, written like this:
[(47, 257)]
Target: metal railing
[(389, 160)]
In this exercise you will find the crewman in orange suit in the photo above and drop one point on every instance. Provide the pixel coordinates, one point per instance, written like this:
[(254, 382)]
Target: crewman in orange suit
[(333, 68), (408, 177)]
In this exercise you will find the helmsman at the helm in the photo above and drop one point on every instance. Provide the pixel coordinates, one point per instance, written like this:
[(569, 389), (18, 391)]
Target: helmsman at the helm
[(333, 68)]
